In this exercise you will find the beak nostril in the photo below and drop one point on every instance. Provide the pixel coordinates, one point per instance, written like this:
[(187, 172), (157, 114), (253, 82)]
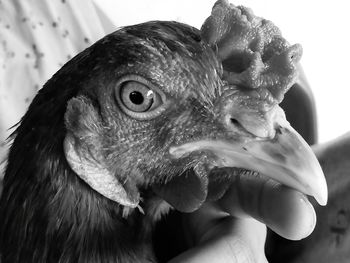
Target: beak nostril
[(234, 121), (236, 124)]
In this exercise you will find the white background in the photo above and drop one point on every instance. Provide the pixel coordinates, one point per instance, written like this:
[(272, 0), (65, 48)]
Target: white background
[(322, 27)]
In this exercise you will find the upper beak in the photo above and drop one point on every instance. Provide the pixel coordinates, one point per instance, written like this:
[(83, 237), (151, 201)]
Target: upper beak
[(286, 158)]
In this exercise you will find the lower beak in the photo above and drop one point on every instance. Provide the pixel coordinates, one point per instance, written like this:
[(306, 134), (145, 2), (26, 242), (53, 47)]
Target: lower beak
[(286, 158)]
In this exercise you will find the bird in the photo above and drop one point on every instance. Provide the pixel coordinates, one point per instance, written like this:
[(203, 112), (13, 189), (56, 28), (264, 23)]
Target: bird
[(150, 118)]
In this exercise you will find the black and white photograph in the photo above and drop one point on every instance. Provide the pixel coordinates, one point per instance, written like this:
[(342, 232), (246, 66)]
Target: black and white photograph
[(150, 131)]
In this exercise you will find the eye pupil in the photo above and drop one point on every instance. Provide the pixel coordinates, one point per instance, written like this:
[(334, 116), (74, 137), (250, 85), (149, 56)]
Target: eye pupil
[(136, 97)]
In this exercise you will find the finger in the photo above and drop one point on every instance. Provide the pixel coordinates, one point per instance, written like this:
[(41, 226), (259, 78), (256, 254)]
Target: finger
[(284, 210), (221, 238)]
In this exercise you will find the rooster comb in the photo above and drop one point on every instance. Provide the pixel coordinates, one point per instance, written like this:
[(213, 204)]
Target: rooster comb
[(254, 55)]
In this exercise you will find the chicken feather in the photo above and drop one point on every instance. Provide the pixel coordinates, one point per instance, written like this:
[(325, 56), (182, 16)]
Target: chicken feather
[(145, 118)]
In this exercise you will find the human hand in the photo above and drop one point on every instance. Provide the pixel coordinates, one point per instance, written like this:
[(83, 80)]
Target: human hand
[(330, 241), (233, 228)]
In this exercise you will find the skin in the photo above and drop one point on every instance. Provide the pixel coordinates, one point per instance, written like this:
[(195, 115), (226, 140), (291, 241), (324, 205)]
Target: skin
[(329, 242), (220, 230), (234, 224)]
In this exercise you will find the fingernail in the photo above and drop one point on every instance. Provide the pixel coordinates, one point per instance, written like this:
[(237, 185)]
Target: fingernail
[(312, 218), (290, 214)]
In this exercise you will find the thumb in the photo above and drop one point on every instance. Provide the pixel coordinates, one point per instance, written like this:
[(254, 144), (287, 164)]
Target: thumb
[(220, 238), (284, 210)]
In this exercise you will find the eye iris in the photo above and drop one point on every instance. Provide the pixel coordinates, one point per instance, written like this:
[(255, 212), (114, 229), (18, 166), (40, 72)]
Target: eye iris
[(136, 97)]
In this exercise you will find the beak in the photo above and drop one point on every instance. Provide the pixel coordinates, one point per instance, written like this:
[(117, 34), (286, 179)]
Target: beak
[(286, 158)]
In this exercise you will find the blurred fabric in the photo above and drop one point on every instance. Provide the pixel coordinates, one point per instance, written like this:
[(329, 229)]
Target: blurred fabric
[(37, 37)]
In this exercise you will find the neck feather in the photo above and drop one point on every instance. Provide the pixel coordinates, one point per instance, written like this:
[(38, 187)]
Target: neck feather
[(48, 214)]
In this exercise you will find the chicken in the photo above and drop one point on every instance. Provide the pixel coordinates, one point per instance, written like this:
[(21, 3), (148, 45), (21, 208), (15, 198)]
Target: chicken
[(154, 116)]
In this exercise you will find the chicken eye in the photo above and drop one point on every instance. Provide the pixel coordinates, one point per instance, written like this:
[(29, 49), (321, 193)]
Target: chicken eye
[(139, 98)]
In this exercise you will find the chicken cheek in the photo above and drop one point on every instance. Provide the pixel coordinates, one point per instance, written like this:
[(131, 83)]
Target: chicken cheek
[(82, 148)]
